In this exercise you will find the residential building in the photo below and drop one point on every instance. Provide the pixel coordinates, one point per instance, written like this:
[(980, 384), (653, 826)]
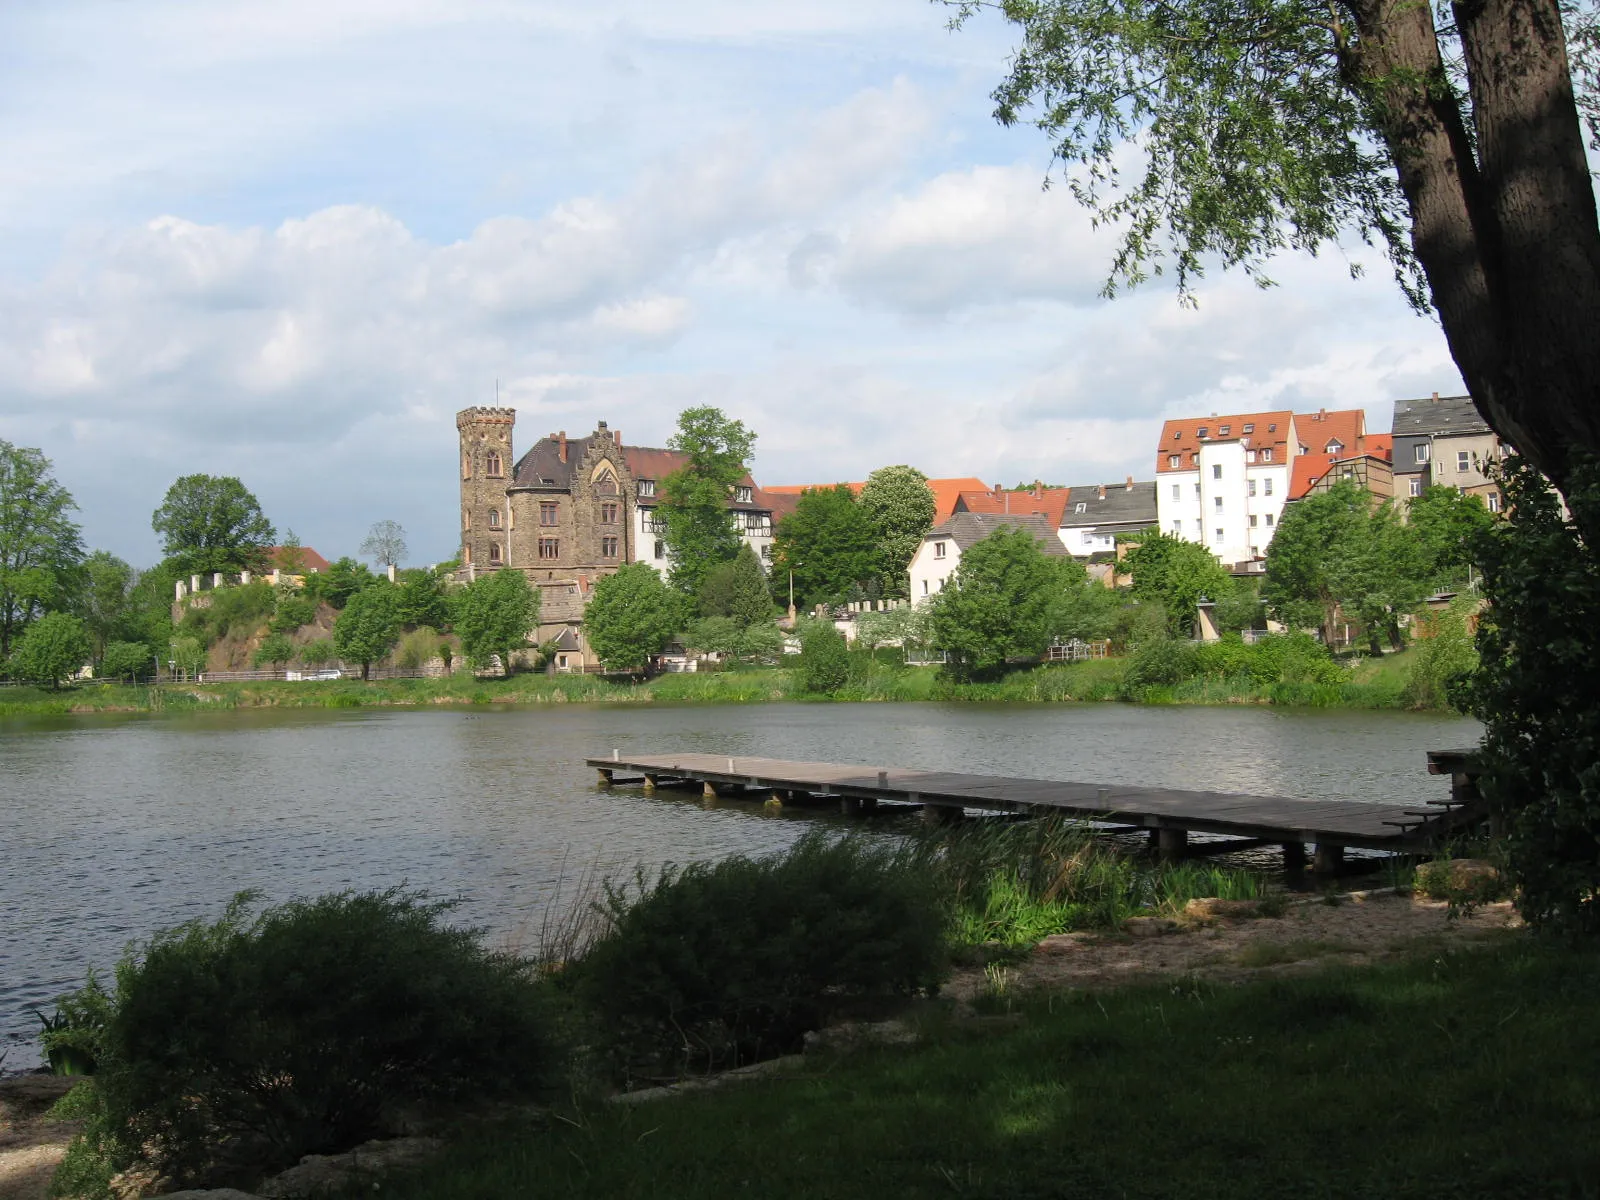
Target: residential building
[(940, 553), (569, 511), (945, 492), (1444, 440), (1097, 514), (1222, 481)]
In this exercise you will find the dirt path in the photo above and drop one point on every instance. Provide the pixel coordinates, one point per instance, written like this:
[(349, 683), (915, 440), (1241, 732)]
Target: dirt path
[(30, 1146), (1359, 929)]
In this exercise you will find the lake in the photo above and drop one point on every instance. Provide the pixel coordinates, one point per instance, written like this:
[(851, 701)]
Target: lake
[(119, 825)]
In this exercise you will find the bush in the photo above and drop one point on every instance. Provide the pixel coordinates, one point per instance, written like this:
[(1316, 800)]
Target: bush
[(124, 660), (299, 1029), (1157, 662), (714, 964), (231, 610), (824, 659), (51, 649), (292, 610)]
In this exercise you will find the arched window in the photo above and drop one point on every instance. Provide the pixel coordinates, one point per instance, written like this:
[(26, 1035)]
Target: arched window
[(491, 463), (494, 553), (466, 518), (494, 518)]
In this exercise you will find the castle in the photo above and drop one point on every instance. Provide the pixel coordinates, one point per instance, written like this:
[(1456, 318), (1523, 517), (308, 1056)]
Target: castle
[(570, 511)]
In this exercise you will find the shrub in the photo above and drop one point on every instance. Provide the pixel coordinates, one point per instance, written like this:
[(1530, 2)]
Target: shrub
[(298, 1029), (713, 964), (274, 651), (50, 650), (231, 610), (292, 610), (1157, 662), (124, 660), (824, 659)]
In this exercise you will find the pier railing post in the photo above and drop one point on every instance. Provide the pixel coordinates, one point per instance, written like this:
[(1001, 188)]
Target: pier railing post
[(1173, 843)]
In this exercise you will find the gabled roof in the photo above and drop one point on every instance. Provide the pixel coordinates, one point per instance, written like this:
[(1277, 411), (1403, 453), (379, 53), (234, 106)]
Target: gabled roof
[(1380, 445), (1125, 503), (945, 491), (1308, 468), (1183, 437), (542, 465), (310, 560), (967, 528), (1438, 416), (1318, 430), (1048, 503)]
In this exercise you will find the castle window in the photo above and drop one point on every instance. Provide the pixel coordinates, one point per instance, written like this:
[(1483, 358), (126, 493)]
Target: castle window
[(494, 518), (742, 495), (608, 547), (647, 487), (549, 547), (494, 553), (466, 467), (466, 519), (608, 513), (466, 555), (547, 512), (491, 463)]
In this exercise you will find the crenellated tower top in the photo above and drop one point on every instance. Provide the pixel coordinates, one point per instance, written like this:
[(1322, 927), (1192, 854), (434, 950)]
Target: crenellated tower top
[(469, 417)]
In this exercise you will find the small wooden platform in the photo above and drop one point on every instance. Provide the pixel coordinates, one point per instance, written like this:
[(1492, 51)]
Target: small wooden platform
[(1169, 814)]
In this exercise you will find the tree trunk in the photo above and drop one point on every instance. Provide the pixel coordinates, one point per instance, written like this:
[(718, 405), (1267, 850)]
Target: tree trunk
[(1503, 218)]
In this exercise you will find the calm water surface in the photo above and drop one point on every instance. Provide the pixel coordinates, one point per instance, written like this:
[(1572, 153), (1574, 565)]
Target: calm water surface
[(114, 827)]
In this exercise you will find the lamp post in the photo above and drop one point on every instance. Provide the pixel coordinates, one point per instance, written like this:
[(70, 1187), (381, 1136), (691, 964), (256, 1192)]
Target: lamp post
[(792, 566)]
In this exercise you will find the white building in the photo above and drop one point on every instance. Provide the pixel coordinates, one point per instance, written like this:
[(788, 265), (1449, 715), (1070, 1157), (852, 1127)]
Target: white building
[(1222, 480), (939, 555)]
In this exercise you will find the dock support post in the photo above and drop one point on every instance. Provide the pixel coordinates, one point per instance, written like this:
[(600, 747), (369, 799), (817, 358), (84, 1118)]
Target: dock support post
[(709, 791), (605, 776), (1173, 842), (941, 814), (1154, 838), (1294, 857), (1329, 858), (774, 802), (649, 783), (849, 806)]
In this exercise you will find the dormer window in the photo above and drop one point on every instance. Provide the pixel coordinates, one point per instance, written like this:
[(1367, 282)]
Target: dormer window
[(1201, 432), (1222, 430), (743, 495), (1080, 507), (1249, 427), (1174, 460), (1266, 455), (938, 549), (1333, 446), (647, 487)]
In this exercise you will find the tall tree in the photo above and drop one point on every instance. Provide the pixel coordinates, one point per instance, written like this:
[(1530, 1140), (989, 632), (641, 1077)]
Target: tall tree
[(368, 626), (212, 523), (901, 507), (494, 615), (749, 596), (830, 544), (385, 543), (1449, 133), (51, 649), (1379, 573), (1177, 575), (632, 616), (105, 599), (40, 544), (1449, 525), (694, 499), (1297, 588)]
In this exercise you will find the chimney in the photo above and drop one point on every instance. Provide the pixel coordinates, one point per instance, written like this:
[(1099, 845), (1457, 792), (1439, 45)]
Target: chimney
[(616, 436), (1435, 398), (1128, 486), (1102, 491), (563, 436)]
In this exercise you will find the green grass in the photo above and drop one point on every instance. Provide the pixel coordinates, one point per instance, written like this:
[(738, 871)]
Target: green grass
[(1464, 1075)]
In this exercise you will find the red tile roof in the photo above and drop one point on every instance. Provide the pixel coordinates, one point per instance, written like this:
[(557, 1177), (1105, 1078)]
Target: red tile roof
[(1049, 503), (945, 492), (1183, 438), (1308, 468), (1319, 429), (1379, 444), (310, 560)]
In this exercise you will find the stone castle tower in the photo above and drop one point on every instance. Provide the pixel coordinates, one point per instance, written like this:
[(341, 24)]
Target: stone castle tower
[(486, 464)]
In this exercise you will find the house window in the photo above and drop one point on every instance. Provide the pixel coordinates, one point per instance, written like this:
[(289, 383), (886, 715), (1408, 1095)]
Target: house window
[(1194, 459), (608, 547), (1252, 520), (466, 519), (1218, 537), (1494, 501), (1216, 470), (1416, 486), (661, 548), (1201, 432), (1249, 427), (1250, 456), (549, 547), (1333, 447), (1252, 487), (1266, 455), (742, 495), (494, 518), (491, 463), (1269, 520), (646, 487), (1421, 451), (1272, 427), (1255, 551), (494, 553), (1078, 508), (608, 513), (766, 552), (1266, 486), (547, 512), (1174, 460), (1217, 501), (1462, 460), (938, 549), (1199, 528), (1222, 430), (924, 587), (1197, 491), (1177, 435), (1177, 492), (1177, 529)]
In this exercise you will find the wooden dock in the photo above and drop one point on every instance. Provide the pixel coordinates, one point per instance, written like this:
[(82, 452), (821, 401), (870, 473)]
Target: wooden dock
[(1170, 815)]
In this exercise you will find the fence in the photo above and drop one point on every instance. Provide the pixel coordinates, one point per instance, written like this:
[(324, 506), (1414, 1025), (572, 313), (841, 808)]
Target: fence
[(1076, 650)]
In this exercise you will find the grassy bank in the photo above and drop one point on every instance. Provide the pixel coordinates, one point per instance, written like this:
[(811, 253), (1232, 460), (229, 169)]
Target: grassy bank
[(1466, 1074), (1368, 685)]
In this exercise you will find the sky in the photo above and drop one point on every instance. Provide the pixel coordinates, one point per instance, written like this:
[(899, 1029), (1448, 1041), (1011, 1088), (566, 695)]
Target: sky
[(288, 241)]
